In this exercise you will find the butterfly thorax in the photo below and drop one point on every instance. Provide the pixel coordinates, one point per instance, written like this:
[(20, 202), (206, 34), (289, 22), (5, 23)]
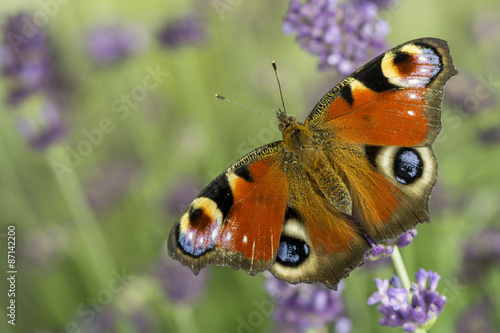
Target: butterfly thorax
[(301, 145)]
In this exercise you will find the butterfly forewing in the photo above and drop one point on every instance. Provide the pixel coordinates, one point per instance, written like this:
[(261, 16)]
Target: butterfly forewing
[(385, 116)]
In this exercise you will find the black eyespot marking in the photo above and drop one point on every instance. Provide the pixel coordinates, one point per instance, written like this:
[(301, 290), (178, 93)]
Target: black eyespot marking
[(372, 153), (400, 57), (373, 77), (346, 94), (194, 214), (408, 166), (220, 192), (244, 173), (292, 252)]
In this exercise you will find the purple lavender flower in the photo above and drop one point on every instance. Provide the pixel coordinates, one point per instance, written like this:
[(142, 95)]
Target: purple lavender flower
[(182, 31), (25, 58), (385, 249), (343, 35), (406, 238), (420, 311), (379, 251), (178, 282), (307, 305), (112, 43), (43, 127)]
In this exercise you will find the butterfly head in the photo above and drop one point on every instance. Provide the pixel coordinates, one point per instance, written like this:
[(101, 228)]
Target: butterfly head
[(285, 120), (297, 139)]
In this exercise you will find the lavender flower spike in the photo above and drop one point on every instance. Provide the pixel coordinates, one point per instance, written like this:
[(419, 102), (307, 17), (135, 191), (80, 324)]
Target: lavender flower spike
[(343, 35), (307, 306), (183, 31), (385, 249), (26, 59), (420, 312)]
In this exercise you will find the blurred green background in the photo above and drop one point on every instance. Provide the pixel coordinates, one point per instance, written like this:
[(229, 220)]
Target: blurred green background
[(110, 213)]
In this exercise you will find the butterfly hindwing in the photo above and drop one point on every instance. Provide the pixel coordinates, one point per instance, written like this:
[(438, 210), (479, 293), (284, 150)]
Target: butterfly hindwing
[(318, 243)]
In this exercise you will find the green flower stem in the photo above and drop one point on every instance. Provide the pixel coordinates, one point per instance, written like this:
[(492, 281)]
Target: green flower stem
[(397, 260), (97, 255)]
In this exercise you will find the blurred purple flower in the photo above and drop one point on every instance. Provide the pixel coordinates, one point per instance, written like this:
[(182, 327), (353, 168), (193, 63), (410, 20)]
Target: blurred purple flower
[(130, 308), (141, 321), (183, 31), (181, 195), (307, 305), (385, 249), (46, 245), (26, 59), (178, 282), (108, 186), (480, 255), (343, 35), (470, 94), (112, 43), (477, 318), (485, 27), (43, 127), (490, 136), (28, 65), (380, 3), (420, 312), (104, 322)]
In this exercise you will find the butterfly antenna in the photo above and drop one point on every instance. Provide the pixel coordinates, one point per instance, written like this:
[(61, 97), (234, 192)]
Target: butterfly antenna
[(243, 106), (279, 85)]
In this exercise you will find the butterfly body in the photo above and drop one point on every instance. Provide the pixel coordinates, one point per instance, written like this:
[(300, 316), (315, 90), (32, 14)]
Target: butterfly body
[(360, 166)]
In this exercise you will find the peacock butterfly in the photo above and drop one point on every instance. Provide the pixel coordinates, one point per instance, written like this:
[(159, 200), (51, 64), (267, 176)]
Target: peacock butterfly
[(360, 166)]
